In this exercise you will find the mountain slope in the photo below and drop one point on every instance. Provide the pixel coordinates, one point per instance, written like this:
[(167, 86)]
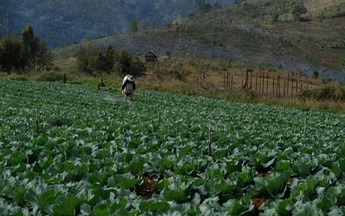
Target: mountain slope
[(63, 22), (248, 33)]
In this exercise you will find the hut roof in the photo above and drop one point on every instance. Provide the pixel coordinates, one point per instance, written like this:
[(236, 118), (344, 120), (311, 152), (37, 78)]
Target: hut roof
[(151, 53)]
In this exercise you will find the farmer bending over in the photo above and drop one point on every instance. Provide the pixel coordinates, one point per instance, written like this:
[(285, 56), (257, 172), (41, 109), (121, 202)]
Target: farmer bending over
[(128, 87)]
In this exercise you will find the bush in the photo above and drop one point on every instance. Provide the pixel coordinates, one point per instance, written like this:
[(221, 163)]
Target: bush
[(315, 74), (50, 76), (130, 63), (19, 78), (123, 62), (327, 93), (177, 74), (305, 94)]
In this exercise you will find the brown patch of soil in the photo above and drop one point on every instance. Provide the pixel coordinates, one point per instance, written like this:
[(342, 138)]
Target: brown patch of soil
[(290, 180), (266, 175), (258, 201), (149, 189)]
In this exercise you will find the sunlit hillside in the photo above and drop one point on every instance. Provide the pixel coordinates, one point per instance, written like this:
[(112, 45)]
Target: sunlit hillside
[(258, 33)]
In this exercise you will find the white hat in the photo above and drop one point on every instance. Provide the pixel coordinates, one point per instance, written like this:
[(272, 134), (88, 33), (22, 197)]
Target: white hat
[(128, 77)]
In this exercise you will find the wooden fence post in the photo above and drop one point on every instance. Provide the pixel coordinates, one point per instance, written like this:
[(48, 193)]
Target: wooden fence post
[(246, 84), (267, 83), (263, 83), (256, 82), (278, 86), (287, 85), (224, 80), (274, 93), (251, 78)]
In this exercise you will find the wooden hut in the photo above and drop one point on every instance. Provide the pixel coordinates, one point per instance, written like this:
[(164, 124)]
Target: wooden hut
[(151, 57)]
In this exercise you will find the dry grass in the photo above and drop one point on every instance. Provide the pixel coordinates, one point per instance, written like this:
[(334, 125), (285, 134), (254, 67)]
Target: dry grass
[(212, 85), (186, 76)]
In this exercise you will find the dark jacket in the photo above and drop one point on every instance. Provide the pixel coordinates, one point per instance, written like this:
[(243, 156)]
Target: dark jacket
[(130, 86)]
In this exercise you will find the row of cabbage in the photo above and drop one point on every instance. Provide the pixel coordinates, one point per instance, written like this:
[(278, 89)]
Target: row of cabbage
[(93, 148)]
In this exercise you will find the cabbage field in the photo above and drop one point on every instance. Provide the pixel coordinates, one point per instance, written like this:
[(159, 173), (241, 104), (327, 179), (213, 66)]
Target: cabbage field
[(69, 149)]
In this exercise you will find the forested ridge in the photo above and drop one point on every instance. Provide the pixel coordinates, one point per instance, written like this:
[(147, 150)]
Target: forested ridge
[(64, 22)]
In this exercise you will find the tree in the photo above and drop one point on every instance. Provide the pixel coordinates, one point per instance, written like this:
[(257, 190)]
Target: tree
[(129, 63), (238, 1), (134, 25), (45, 57), (297, 9), (202, 6), (11, 54), (123, 62), (82, 60), (31, 45), (25, 53), (275, 18), (109, 59)]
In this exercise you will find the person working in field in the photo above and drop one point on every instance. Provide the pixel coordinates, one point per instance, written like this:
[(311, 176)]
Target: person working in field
[(128, 87)]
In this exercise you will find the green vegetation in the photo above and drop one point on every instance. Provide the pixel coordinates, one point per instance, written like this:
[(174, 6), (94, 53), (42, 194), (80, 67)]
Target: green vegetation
[(253, 33), (298, 9), (63, 22), (72, 149), (122, 62), (204, 7), (27, 53), (212, 79), (201, 136)]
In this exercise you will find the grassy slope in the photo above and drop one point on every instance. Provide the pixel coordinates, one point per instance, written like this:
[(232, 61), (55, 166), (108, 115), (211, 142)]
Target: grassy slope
[(230, 41), (245, 33), (185, 76)]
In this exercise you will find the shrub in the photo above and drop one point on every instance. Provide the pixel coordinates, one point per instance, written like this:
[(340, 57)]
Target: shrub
[(129, 63), (123, 62), (50, 76), (315, 74), (176, 74), (19, 78), (305, 94), (327, 93)]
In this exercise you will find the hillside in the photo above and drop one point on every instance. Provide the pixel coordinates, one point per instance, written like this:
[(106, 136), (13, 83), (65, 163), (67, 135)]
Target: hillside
[(64, 22), (259, 33)]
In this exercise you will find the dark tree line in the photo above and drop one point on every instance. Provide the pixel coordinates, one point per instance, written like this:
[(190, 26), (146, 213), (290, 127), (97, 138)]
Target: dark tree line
[(122, 62), (25, 53), (204, 7), (67, 22)]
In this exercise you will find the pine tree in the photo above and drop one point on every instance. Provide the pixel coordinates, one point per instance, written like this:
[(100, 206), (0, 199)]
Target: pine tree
[(11, 54), (31, 45)]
